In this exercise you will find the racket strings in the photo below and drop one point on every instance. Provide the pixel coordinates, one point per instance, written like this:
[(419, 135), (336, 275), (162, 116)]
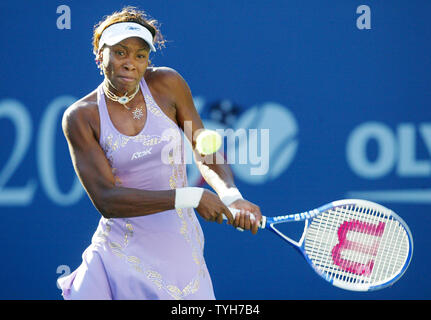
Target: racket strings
[(389, 247), (363, 255), (395, 242)]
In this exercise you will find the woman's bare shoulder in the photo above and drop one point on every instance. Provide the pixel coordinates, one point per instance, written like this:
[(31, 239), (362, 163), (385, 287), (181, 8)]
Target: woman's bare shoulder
[(81, 112), (162, 75)]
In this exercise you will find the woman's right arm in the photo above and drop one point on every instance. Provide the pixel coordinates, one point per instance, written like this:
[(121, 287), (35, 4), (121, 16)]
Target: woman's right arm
[(95, 173)]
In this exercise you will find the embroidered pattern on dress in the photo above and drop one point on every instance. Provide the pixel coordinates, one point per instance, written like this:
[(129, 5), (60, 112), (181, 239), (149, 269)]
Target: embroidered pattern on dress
[(112, 144)]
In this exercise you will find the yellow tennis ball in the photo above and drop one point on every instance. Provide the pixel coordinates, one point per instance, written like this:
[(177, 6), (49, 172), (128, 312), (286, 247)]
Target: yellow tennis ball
[(208, 142)]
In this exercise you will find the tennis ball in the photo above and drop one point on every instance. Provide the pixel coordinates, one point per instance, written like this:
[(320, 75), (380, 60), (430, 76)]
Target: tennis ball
[(208, 142)]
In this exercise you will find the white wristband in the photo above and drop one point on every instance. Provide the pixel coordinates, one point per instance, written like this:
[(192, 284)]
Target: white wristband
[(230, 195), (188, 197)]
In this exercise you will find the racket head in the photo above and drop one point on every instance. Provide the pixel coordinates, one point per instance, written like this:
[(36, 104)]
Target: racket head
[(357, 245)]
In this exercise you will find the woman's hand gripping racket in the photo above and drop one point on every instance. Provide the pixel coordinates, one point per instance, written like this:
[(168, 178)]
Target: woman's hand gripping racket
[(353, 244)]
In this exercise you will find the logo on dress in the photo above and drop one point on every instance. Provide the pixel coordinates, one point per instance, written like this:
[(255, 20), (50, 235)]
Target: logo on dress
[(141, 154)]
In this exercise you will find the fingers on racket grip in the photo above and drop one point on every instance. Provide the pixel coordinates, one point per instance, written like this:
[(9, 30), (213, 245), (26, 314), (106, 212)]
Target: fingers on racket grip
[(235, 212)]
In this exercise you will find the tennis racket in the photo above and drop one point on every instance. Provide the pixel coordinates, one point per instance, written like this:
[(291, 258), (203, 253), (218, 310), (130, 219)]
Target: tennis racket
[(353, 244)]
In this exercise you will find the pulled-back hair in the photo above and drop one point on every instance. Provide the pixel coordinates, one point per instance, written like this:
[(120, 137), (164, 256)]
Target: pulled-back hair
[(128, 14)]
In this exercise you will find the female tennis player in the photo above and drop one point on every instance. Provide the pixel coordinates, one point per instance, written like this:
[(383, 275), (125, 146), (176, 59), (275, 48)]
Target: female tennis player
[(125, 141)]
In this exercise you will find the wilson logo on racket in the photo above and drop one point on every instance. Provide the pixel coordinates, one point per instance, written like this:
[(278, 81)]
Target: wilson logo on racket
[(369, 249)]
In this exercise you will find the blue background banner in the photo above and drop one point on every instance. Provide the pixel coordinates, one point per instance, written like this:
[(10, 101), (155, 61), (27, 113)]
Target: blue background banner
[(342, 86)]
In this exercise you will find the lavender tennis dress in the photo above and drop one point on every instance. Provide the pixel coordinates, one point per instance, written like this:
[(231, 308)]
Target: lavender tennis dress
[(159, 256)]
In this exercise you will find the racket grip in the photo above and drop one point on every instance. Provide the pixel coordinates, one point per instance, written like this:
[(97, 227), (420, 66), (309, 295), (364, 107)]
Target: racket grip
[(252, 217)]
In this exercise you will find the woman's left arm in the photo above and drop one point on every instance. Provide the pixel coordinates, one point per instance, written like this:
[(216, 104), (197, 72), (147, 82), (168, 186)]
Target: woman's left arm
[(214, 169)]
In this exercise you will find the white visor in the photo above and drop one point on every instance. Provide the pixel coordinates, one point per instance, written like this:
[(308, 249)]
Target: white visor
[(122, 30)]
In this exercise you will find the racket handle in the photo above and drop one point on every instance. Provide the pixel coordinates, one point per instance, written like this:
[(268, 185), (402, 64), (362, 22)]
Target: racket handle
[(252, 217)]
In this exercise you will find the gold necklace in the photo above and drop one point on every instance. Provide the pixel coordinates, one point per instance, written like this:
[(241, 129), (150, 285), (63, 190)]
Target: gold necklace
[(137, 113)]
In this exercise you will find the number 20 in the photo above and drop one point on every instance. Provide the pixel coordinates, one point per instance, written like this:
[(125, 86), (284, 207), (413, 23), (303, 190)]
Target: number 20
[(45, 144)]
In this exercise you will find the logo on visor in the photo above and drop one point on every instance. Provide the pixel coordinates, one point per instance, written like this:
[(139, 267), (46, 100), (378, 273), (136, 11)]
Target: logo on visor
[(132, 28)]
